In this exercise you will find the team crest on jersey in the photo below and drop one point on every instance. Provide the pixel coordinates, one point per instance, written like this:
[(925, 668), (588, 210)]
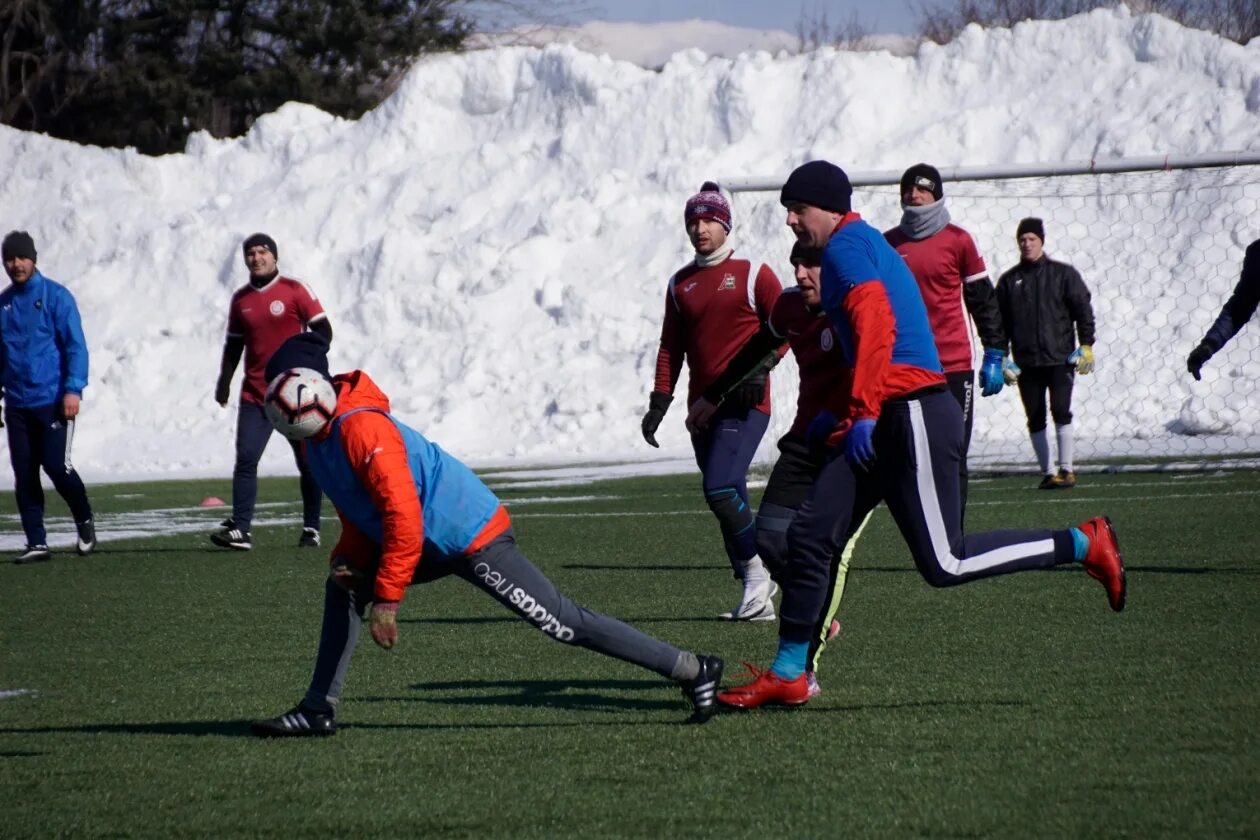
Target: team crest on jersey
[(827, 340), (277, 307), (728, 282)]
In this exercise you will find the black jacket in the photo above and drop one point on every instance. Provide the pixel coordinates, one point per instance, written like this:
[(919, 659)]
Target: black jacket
[(1241, 305), (1043, 303)]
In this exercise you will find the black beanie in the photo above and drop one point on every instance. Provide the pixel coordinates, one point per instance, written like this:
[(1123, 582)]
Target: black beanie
[(304, 350), (818, 183), (263, 240), (803, 254), (1031, 225), (18, 243), (923, 175)]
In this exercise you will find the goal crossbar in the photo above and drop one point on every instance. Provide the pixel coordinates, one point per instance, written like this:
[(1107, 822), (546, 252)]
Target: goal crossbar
[(1094, 166)]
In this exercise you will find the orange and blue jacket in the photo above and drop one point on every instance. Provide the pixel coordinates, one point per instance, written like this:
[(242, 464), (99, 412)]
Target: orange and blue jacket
[(399, 496)]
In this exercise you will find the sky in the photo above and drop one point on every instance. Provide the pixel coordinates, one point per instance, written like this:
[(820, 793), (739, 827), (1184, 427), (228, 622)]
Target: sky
[(879, 16), (493, 242)]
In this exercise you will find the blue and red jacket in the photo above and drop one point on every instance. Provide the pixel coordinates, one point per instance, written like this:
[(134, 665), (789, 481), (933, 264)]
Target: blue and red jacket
[(399, 495), (882, 324)]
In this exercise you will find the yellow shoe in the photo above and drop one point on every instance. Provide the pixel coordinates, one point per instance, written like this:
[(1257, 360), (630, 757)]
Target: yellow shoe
[(1065, 480)]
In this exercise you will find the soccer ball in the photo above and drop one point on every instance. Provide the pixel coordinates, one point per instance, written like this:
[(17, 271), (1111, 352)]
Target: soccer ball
[(300, 402)]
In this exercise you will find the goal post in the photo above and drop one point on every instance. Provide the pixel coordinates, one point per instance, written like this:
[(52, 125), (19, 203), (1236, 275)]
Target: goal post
[(1159, 241)]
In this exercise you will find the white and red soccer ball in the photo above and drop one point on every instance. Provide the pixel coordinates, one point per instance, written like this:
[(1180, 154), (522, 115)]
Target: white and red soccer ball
[(300, 402)]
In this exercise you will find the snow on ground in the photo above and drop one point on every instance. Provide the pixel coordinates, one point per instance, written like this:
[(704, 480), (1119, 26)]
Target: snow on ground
[(492, 243)]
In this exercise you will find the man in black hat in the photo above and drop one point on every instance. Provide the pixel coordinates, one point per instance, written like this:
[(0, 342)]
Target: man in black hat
[(1046, 312), (43, 371), (266, 311), (895, 436), (954, 283)]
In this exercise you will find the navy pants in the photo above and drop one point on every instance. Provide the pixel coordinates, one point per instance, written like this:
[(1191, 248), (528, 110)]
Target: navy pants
[(962, 385), (918, 442), (1034, 382), (40, 437), (724, 451), (253, 432)]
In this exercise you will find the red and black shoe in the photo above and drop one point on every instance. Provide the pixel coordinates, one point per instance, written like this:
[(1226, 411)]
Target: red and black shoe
[(1102, 560), (766, 689)]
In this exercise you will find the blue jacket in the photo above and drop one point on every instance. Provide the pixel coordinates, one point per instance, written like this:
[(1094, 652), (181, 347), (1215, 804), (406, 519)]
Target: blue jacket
[(857, 253), (43, 354)]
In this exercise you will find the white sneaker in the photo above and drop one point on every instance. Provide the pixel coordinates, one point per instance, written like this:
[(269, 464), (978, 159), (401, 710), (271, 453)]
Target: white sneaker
[(757, 603)]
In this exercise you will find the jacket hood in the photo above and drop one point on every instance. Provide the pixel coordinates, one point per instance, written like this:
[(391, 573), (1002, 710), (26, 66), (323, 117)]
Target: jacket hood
[(357, 390)]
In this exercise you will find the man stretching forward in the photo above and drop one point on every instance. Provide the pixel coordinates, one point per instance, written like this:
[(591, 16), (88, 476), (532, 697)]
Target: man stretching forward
[(410, 513)]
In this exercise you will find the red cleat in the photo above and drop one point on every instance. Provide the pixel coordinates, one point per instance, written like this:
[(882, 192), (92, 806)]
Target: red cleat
[(1102, 560), (767, 688)]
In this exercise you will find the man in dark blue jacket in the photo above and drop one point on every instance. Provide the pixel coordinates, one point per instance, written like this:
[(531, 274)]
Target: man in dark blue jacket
[(43, 370)]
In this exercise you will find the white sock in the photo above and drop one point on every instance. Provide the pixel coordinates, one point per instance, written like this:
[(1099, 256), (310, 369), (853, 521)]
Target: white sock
[(755, 574), (1041, 445), (1064, 435)]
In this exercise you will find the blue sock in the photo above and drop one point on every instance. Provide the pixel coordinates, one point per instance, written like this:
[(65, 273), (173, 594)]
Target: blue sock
[(790, 663), (1080, 543)]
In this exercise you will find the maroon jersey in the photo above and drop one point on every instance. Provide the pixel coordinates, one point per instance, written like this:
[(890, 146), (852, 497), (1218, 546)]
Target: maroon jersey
[(263, 319), (710, 312), (819, 359), (942, 264)]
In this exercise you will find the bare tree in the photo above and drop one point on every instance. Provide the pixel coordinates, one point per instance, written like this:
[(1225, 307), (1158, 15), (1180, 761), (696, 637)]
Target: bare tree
[(1238, 20), (814, 29)]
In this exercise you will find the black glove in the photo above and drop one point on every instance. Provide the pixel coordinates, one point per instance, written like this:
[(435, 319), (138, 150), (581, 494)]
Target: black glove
[(1198, 356), (222, 390), (749, 393), (658, 404)]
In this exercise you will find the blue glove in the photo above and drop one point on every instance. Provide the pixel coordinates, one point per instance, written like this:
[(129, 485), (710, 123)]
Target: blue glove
[(1010, 371), (820, 428), (991, 372), (859, 449)]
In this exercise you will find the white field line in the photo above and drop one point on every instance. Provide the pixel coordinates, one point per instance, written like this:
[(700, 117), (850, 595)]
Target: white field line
[(11, 693), (198, 520), (1059, 497)]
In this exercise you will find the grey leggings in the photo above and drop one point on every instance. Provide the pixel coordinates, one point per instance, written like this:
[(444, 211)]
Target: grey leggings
[(503, 572)]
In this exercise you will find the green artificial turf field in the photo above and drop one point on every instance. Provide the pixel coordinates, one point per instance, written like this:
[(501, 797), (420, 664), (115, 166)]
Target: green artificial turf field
[(1015, 707)]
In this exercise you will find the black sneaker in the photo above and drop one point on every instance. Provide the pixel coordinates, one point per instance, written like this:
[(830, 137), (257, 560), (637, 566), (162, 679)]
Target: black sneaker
[(87, 537), (1049, 483), (309, 538), (229, 536), (296, 723), (702, 691), (34, 554)]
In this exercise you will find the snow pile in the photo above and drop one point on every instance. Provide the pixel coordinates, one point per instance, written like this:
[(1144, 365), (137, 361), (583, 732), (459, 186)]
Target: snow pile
[(492, 243)]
